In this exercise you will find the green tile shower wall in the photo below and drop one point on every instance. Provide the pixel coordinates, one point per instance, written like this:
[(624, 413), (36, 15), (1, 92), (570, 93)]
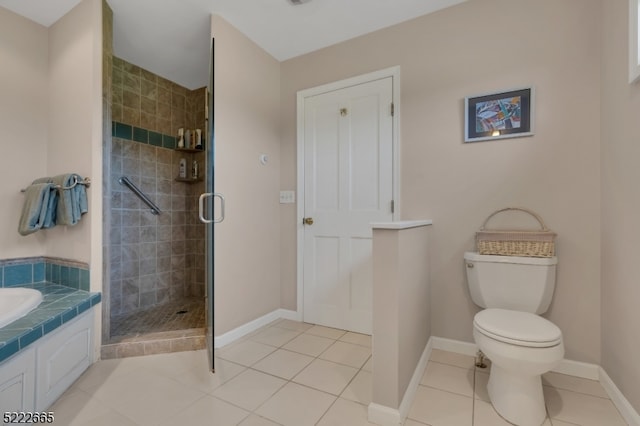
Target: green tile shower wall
[(32, 271), (138, 134)]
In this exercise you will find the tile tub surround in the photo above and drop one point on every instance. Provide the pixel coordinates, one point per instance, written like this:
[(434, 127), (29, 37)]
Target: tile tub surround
[(60, 304), (20, 272)]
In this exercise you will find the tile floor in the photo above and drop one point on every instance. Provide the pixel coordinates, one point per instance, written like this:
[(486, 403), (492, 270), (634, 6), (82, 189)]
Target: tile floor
[(175, 315), (291, 373)]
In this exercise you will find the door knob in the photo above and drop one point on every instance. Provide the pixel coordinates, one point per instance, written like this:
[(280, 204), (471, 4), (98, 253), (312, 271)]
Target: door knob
[(307, 221)]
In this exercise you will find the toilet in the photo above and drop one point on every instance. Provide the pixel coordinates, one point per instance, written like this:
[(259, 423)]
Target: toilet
[(521, 345)]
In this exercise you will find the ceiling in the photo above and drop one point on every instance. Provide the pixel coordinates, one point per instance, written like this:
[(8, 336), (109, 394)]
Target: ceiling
[(171, 37)]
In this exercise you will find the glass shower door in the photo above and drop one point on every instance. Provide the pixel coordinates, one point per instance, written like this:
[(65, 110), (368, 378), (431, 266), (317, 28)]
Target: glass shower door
[(206, 211)]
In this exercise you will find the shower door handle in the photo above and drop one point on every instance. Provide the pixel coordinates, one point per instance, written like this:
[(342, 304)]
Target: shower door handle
[(201, 207)]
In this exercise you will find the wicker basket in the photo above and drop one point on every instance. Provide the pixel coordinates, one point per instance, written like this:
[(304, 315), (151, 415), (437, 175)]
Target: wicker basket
[(535, 243)]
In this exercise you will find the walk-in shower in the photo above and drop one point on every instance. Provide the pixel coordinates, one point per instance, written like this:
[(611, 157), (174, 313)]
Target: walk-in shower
[(154, 279)]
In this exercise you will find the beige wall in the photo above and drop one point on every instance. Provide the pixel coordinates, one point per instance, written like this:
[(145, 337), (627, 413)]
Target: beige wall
[(401, 303), (23, 120), (247, 257), (458, 52), (75, 122), (620, 207), (49, 115)]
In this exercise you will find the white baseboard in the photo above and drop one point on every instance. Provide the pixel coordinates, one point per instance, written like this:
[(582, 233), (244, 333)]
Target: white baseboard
[(627, 411), (383, 415), (239, 332), (572, 368), (387, 416), (583, 370), (412, 388)]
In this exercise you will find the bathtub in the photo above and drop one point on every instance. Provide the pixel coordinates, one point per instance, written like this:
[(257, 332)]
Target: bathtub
[(16, 302)]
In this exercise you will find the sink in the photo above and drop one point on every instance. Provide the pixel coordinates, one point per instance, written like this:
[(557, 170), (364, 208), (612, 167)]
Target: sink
[(16, 302)]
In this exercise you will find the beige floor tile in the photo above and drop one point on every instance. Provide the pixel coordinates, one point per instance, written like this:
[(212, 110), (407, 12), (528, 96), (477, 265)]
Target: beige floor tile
[(368, 366), (347, 354), (309, 345), (293, 325), (343, 413), (328, 332), (485, 415), (274, 336), (103, 371), (79, 408), (360, 388), (452, 358), (357, 338), (579, 408), (283, 363), (208, 410), (326, 376), (246, 352), (449, 378), (557, 422), (201, 378), (255, 420), (480, 387), (296, 405), (439, 408), (410, 422), (249, 389), (146, 397), (575, 384)]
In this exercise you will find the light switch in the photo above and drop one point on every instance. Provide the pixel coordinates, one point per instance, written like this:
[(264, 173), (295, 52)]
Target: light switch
[(287, 197)]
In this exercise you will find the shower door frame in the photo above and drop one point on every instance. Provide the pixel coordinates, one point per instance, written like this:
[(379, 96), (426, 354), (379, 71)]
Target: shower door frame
[(210, 228)]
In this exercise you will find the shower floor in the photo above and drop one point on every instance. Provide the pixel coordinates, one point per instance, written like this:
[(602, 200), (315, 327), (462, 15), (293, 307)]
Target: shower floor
[(172, 316)]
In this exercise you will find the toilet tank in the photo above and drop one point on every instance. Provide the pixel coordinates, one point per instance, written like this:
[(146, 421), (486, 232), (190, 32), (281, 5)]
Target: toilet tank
[(510, 282)]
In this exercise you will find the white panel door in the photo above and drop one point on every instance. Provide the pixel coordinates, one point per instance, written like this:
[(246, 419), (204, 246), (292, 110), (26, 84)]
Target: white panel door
[(348, 183)]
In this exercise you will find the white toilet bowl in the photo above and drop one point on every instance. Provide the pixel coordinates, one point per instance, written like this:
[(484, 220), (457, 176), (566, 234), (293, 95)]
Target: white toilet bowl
[(521, 346)]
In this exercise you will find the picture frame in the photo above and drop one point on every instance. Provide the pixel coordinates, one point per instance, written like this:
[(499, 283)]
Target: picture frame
[(501, 115)]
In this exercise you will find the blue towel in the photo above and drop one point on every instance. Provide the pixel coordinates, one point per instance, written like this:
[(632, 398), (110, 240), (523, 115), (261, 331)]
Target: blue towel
[(52, 207), (34, 210), (72, 203)]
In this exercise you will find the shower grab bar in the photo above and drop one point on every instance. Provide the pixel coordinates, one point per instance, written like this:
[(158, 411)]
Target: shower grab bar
[(125, 181)]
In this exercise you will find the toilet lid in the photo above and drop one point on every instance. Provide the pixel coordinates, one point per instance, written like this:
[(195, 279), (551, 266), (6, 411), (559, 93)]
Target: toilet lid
[(518, 328)]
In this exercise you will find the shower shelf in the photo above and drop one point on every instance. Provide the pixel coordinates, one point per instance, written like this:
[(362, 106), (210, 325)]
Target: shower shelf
[(189, 180), (192, 150)]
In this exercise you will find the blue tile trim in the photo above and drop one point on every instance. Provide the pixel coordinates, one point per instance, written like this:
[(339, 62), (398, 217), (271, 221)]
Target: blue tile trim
[(85, 281), (140, 135), (18, 274), (146, 136), (123, 131), (30, 337), (26, 271), (38, 272), (69, 315), (60, 304), (74, 278), (9, 349), (155, 139), (52, 324)]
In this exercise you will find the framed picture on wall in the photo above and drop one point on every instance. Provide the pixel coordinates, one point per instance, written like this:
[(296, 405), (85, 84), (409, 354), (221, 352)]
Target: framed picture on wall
[(498, 115)]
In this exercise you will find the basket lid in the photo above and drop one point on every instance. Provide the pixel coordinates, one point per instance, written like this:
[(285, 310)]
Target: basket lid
[(517, 328)]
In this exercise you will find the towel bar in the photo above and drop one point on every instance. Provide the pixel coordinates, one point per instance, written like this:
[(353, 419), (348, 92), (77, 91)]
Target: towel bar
[(86, 182)]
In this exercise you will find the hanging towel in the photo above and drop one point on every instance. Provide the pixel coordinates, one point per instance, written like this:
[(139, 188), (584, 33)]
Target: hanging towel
[(52, 207), (72, 203), (34, 210)]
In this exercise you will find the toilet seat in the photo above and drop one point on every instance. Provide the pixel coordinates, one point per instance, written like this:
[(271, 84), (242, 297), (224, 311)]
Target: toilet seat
[(517, 328)]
